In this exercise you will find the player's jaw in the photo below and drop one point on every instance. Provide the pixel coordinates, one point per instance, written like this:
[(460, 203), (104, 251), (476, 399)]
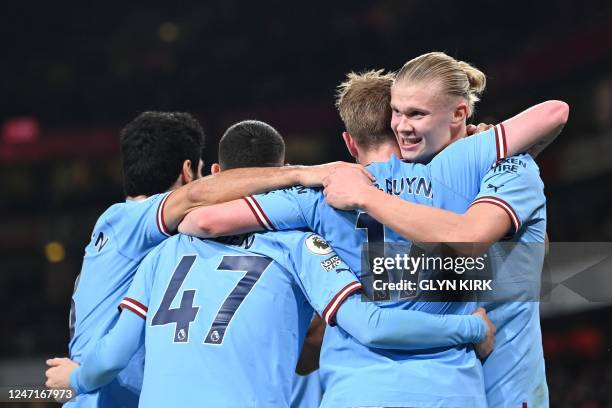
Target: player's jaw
[(410, 144), (416, 146), (411, 141)]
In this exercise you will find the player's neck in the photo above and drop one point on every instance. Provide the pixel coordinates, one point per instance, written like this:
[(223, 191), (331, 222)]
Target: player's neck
[(460, 133), (178, 183), (136, 198), (380, 153)]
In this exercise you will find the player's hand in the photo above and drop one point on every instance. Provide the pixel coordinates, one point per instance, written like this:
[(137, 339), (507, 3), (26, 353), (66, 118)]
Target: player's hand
[(58, 376), (346, 188), (485, 347), (473, 129), (313, 176)]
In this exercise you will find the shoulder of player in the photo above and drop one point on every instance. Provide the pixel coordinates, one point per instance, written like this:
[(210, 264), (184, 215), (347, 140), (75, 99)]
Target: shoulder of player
[(112, 215), (465, 143), (283, 238), (522, 165), (291, 241), (117, 210), (170, 243), (297, 190)]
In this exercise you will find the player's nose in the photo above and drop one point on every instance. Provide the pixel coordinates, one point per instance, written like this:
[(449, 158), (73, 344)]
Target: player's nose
[(404, 126)]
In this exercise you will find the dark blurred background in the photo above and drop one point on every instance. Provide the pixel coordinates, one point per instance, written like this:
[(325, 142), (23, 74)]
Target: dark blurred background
[(72, 74)]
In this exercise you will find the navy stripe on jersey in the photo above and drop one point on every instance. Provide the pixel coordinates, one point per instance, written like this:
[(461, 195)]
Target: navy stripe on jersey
[(334, 305), (260, 215), (516, 222), (135, 306)]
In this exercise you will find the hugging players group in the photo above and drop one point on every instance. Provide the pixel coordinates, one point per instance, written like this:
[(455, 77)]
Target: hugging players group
[(223, 320)]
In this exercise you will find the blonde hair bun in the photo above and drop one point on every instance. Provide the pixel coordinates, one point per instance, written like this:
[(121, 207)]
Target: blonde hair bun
[(456, 77)]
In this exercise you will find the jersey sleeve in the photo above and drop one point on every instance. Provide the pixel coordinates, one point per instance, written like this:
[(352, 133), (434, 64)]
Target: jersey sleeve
[(110, 355), (142, 227), (463, 164), (137, 297), (514, 185), (324, 278), (283, 209), (404, 329)]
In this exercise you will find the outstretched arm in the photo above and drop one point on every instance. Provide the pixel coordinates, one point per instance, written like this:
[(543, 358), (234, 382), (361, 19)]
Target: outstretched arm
[(481, 224), (277, 210), (104, 362), (532, 130), (391, 328), (234, 217), (332, 289), (236, 183), (471, 233)]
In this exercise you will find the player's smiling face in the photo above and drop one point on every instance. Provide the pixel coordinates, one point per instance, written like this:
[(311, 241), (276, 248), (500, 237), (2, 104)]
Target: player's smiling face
[(421, 120)]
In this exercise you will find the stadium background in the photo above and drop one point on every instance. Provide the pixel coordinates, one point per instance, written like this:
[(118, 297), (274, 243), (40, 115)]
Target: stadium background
[(73, 74)]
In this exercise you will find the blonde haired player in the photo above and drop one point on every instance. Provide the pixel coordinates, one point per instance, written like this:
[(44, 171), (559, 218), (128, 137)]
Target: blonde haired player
[(431, 96), (353, 374)]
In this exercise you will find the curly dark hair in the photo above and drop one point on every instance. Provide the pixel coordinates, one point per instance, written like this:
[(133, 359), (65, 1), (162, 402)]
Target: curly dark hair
[(153, 148)]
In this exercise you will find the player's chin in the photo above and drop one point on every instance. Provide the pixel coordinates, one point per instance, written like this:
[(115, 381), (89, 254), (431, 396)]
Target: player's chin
[(414, 156)]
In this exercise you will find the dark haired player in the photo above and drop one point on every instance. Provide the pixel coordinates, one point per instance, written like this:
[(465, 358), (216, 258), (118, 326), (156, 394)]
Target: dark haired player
[(229, 318), (160, 154)]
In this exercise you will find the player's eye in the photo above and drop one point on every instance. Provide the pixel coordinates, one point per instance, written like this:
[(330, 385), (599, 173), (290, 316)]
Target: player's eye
[(416, 114)]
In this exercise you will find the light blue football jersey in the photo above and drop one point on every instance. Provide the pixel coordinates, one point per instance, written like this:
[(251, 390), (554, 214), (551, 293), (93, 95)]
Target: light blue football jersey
[(307, 391), (356, 375), (514, 372), (121, 238), (225, 322)]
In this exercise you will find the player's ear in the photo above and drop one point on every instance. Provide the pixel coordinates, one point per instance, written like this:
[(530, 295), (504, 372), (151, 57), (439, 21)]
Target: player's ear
[(215, 168), (461, 113), (186, 172), (350, 144)]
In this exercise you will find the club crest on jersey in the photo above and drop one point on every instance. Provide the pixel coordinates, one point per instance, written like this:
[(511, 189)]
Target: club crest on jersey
[(317, 245)]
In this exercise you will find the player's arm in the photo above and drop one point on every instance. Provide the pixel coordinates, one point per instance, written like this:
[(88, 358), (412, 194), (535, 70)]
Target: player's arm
[(535, 128), (233, 217), (311, 349), (483, 224), (504, 201), (277, 210), (391, 328), (236, 183), (113, 352), (110, 355), (332, 288)]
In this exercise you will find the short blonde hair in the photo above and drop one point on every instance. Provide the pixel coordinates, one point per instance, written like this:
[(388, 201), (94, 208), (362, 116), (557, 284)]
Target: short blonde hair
[(457, 78), (363, 101)]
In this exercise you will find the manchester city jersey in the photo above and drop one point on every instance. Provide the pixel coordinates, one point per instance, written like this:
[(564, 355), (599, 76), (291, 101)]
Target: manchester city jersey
[(356, 375), (121, 238), (225, 322), (514, 372)]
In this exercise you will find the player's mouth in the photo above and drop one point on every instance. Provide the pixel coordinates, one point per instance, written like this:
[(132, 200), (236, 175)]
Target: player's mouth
[(410, 142)]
